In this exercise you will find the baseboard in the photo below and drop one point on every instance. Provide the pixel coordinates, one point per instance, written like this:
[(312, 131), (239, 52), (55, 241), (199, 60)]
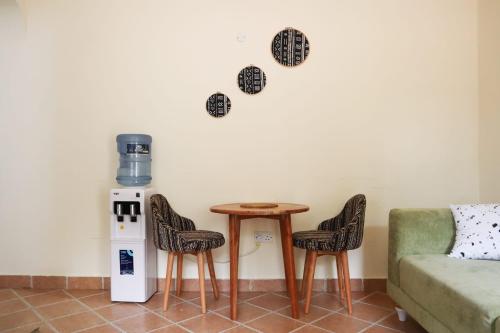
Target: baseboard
[(82, 282), (53, 282)]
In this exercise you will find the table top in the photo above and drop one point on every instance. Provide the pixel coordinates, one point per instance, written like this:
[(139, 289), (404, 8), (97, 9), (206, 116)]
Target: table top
[(273, 209)]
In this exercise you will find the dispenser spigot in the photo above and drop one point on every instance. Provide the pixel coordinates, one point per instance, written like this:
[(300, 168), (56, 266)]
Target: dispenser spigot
[(133, 213), (119, 212)]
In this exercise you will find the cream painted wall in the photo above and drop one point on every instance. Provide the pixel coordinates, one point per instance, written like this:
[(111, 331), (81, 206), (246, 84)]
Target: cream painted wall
[(386, 105), (489, 99)]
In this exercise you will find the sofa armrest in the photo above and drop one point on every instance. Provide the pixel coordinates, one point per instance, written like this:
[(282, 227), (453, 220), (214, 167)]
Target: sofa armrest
[(418, 231)]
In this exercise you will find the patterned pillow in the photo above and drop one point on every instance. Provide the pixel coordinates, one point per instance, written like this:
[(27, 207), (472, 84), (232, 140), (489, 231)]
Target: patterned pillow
[(477, 231)]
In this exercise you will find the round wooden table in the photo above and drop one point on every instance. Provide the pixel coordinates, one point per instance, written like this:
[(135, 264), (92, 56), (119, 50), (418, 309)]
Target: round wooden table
[(275, 211)]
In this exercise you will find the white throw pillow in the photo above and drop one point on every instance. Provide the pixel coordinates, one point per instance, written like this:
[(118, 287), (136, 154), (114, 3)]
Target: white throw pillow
[(477, 231)]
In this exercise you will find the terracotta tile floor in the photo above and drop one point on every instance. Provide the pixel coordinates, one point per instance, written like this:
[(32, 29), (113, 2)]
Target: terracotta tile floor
[(91, 311)]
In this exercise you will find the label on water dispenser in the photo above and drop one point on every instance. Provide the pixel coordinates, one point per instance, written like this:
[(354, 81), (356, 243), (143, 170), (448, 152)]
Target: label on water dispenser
[(126, 262), (137, 148)]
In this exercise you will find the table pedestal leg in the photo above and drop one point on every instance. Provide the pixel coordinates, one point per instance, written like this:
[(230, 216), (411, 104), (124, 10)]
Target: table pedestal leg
[(286, 243), (234, 251), (284, 252)]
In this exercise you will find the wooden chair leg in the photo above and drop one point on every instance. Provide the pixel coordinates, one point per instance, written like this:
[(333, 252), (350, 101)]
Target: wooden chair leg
[(340, 278), (178, 281), (310, 280), (211, 269), (201, 277), (304, 277), (168, 279), (347, 280)]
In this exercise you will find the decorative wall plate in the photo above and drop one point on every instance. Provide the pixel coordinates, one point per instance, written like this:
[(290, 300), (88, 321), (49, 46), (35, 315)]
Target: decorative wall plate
[(218, 105), (251, 80), (290, 47)]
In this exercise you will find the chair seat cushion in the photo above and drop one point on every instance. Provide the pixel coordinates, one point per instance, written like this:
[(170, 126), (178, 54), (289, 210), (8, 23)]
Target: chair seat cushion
[(316, 240), (462, 294), (200, 240)]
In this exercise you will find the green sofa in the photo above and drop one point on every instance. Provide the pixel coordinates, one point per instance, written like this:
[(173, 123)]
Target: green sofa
[(443, 294)]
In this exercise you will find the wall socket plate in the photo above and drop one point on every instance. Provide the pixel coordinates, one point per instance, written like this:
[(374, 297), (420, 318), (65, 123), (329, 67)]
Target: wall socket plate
[(263, 236)]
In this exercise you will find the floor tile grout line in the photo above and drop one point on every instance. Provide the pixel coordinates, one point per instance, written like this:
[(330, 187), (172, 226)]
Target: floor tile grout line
[(93, 311), (50, 304), (375, 305), (115, 322), (48, 291), (306, 325), (160, 328), (67, 315), (328, 309), (33, 309), (192, 301), (270, 312), (23, 326), (239, 323), (9, 300), (89, 328), (163, 317), (320, 328), (332, 312), (269, 293), (391, 328), (322, 317), (244, 324), (74, 313), (338, 311), (14, 312), (250, 328), (370, 294), (283, 315), (169, 322), (360, 319), (276, 311), (41, 294), (253, 297), (377, 323), (382, 308), (234, 327), (102, 291)]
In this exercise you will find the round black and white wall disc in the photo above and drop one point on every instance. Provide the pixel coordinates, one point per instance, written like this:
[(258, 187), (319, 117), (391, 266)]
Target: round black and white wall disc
[(290, 47), (218, 105), (251, 80)]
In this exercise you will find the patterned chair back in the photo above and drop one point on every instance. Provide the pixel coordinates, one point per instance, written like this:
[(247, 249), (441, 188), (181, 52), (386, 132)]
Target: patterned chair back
[(348, 225), (167, 223)]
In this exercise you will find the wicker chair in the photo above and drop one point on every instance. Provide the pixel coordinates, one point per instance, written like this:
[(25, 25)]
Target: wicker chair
[(178, 236), (335, 237)]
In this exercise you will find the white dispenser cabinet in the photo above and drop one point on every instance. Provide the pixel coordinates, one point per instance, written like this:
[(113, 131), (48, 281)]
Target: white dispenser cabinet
[(133, 253)]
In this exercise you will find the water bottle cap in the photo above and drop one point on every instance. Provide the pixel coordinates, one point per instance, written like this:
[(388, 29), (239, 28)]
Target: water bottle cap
[(134, 138)]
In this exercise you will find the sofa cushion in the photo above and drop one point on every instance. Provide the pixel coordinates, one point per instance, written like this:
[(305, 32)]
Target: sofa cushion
[(463, 294), (478, 231)]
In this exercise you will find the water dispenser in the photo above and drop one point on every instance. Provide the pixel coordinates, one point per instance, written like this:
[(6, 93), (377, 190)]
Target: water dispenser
[(133, 253)]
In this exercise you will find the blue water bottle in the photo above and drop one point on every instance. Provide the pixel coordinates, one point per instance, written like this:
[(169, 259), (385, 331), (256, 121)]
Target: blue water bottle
[(135, 159)]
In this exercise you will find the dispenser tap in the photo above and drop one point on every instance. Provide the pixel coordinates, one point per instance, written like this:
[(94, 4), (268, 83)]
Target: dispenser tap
[(119, 212), (133, 214)]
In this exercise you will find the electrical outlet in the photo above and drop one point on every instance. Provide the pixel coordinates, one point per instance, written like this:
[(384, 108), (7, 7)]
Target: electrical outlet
[(263, 236)]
